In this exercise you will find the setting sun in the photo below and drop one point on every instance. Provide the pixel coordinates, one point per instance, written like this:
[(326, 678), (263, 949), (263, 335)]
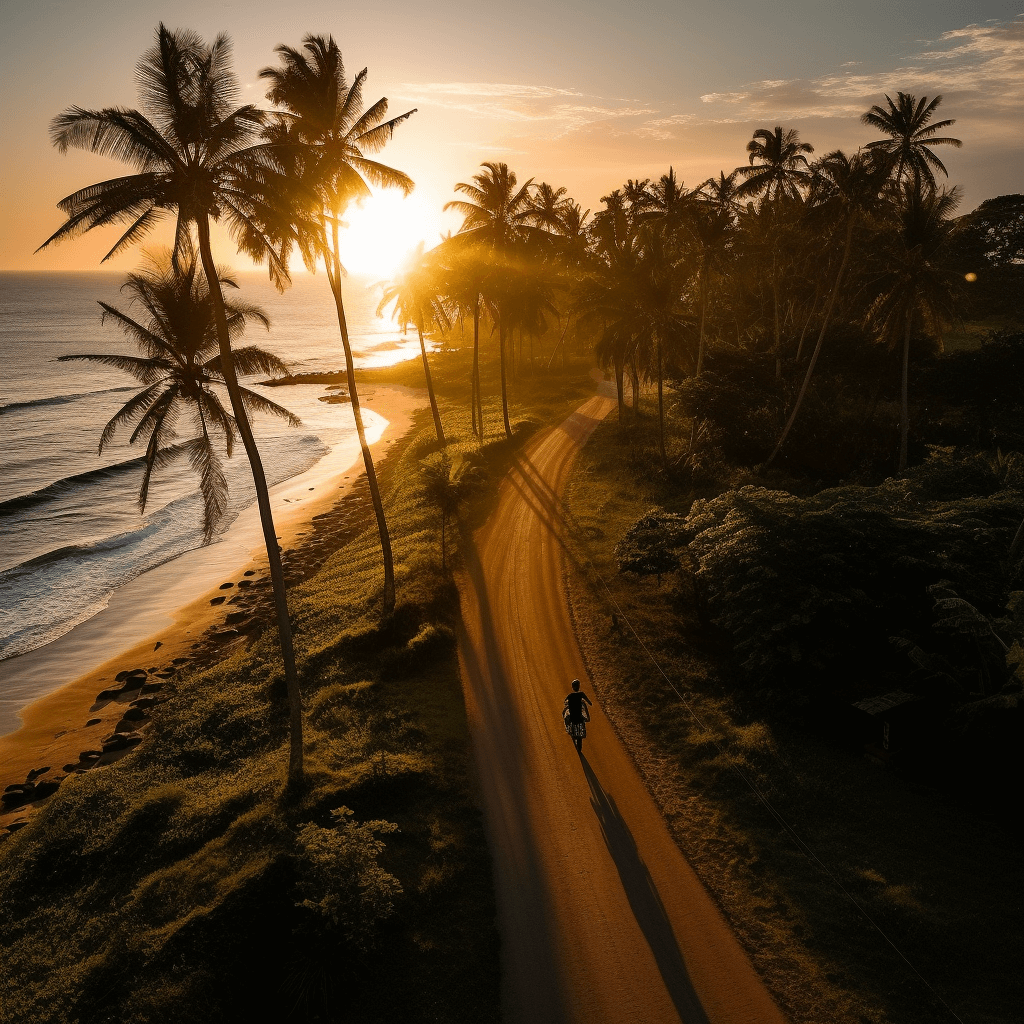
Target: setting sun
[(382, 232)]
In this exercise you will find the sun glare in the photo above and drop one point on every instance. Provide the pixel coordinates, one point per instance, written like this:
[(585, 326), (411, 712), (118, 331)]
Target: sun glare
[(384, 230)]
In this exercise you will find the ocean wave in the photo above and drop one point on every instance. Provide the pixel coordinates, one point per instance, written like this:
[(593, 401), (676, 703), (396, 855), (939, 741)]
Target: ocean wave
[(61, 399), (61, 487), (45, 596)]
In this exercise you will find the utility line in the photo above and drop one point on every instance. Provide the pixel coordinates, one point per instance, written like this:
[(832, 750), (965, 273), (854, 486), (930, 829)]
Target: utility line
[(751, 785)]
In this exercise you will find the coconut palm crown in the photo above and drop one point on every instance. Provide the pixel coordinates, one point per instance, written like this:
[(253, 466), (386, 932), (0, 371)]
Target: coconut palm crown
[(179, 369), (195, 155), (906, 122), (781, 167)]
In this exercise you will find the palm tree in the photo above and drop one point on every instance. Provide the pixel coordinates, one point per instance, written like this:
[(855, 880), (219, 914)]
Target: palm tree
[(633, 295), (669, 202), (766, 238), (848, 190), (416, 296), (548, 204), (198, 155), (497, 215), (446, 483), (781, 168), (324, 134), (710, 233), (910, 136), (573, 256), (179, 368), (916, 288), (722, 192), (462, 265)]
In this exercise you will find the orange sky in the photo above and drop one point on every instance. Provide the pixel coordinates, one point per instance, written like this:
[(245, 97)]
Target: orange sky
[(579, 95)]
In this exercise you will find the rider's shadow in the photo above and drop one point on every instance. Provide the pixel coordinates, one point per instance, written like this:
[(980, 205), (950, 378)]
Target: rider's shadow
[(645, 902)]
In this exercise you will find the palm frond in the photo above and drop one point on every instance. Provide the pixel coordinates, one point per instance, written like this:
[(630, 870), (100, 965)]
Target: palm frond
[(145, 370), (257, 403), (128, 413)]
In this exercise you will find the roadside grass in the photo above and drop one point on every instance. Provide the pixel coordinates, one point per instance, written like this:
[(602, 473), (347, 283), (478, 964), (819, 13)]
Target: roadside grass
[(942, 884)]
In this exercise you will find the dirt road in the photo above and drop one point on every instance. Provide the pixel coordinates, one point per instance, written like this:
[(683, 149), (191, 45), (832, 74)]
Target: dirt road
[(602, 919)]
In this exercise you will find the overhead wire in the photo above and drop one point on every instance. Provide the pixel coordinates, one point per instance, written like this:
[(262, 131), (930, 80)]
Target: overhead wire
[(736, 768)]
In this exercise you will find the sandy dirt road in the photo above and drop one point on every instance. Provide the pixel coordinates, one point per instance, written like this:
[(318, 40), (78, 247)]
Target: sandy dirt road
[(602, 920)]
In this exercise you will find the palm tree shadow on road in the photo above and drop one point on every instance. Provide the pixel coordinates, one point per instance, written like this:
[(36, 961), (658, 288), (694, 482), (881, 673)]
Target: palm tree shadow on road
[(644, 901), (542, 1000)]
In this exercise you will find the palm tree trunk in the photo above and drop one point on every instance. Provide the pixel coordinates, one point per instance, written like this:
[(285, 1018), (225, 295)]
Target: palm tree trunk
[(1017, 543), (703, 313), (444, 523), (661, 410), (904, 405), (821, 339), (559, 345), (333, 263), (479, 409), (295, 774), (619, 391), (778, 328), (634, 383), (504, 385), (807, 324), (439, 430)]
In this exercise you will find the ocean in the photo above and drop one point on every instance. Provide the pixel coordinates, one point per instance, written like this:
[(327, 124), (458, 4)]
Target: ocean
[(70, 530)]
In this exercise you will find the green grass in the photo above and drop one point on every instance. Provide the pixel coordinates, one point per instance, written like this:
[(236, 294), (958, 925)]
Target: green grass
[(942, 883)]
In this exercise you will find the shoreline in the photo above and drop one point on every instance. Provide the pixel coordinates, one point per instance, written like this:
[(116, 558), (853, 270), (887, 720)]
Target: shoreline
[(170, 623)]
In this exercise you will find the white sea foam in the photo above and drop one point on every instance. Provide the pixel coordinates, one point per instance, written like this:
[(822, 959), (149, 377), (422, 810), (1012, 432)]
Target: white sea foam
[(71, 532)]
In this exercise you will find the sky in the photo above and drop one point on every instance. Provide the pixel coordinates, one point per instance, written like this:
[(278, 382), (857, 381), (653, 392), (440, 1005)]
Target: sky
[(580, 94)]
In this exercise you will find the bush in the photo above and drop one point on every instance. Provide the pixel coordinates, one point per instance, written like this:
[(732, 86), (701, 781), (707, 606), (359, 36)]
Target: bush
[(340, 879), (812, 585), (650, 546)]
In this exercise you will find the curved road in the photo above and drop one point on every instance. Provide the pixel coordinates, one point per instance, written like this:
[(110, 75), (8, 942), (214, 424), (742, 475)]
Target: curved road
[(602, 919)]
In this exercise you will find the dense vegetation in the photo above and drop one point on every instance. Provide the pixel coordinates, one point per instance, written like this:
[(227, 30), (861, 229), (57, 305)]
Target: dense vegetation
[(789, 319)]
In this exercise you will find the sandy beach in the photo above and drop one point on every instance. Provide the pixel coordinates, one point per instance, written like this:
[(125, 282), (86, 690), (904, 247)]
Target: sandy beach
[(163, 619)]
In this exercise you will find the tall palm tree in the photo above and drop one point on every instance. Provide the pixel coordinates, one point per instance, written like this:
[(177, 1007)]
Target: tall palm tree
[(847, 190), (669, 202), (462, 265), (323, 134), (781, 168), (910, 136), (722, 192), (197, 155), (548, 204), (415, 293), (766, 239), (709, 234), (497, 214), (916, 288), (179, 368)]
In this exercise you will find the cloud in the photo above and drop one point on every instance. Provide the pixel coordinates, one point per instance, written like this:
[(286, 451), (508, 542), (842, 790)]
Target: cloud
[(978, 69), (490, 90), (663, 127), (539, 110)]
